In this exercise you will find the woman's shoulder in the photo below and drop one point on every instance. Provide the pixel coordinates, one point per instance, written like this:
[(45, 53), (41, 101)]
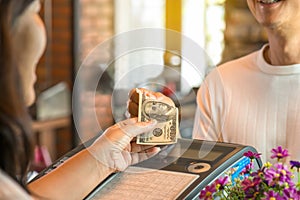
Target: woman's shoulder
[(9, 189)]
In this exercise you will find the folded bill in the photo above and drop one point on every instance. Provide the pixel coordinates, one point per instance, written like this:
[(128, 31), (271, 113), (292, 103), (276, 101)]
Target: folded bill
[(166, 130)]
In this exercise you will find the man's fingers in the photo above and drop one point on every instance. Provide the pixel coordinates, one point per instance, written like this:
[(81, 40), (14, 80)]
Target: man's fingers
[(134, 96), (133, 109)]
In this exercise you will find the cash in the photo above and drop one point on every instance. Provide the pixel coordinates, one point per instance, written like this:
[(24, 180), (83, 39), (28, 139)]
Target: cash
[(166, 130)]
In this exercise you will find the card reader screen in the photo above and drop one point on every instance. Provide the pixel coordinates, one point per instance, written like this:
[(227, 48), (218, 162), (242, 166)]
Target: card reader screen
[(202, 154)]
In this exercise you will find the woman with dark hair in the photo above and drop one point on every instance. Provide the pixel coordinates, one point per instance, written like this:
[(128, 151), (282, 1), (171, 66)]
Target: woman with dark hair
[(15, 148), (22, 42)]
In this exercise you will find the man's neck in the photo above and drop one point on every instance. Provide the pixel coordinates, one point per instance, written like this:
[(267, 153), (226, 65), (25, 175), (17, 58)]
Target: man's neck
[(284, 48)]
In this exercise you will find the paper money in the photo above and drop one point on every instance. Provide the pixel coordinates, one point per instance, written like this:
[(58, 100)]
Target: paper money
[(166, 130)]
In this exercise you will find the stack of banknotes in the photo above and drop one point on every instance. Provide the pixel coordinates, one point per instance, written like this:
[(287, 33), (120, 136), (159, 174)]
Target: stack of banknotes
[(166, 131)]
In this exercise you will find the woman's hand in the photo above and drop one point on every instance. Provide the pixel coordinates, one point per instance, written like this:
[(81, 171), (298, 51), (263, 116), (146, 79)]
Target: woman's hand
[(133, 102), (116, 148)]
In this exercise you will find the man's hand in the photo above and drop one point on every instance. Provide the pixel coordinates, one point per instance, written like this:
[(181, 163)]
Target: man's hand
[(133, 102)]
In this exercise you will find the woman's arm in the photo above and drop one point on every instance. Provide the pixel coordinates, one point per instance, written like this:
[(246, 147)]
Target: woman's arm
[(72, 180), (80, 174)]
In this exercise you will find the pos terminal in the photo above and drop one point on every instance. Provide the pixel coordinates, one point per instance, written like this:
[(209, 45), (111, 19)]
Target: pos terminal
[(179, 171)]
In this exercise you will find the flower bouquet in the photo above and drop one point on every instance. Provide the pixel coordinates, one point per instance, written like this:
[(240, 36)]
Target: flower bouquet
[(270, 182)]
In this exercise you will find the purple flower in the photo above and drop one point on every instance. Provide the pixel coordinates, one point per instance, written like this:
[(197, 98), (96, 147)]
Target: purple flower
[(248, 168), (272, 195), (252, 155), (295, 164), (278, 175), (251, 187), (290, 193), (259, 174), (207, 193), (221, 182), (279, 153), (297, 195), (271, 182)]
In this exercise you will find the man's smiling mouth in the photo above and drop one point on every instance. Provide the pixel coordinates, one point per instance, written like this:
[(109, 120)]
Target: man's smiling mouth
[(268, 1)]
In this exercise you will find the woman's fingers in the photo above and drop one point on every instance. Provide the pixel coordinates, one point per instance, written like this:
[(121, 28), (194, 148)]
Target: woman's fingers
[(132, 128), (138, 148), (146, 154)]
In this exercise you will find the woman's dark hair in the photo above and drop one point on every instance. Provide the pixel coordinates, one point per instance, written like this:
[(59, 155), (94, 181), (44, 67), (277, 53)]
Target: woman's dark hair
[(15, 139)]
